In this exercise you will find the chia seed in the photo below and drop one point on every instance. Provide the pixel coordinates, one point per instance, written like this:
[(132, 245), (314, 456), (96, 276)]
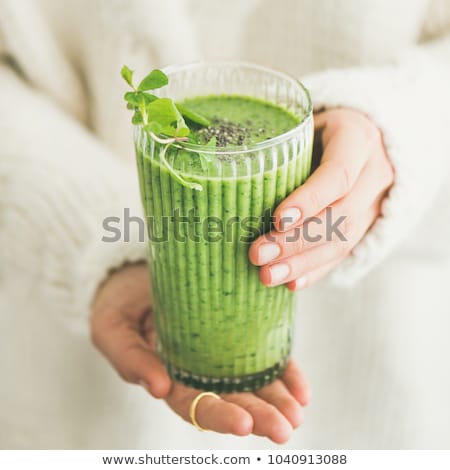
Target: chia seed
[(226, 132)]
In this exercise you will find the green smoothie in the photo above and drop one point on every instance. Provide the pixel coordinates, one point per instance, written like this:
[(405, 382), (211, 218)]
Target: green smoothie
[(219, 328)]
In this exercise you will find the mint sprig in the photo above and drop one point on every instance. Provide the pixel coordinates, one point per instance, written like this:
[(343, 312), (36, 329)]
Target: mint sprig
[(127, 75), (162, 118), (193, 116), (158, 115), (155, 79)]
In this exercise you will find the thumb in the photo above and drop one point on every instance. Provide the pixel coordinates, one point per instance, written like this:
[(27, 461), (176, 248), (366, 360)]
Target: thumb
[(131, 356)]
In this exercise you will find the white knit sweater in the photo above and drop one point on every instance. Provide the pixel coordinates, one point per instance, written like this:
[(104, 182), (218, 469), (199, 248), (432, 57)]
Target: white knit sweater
[(66, 162)]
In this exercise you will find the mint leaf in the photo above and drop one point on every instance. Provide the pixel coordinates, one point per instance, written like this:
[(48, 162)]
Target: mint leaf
[(183, 131), (137, 98), (137, 118), (154, 127), (164, 112), (132, 98), (155, 79), (160, 116), (193, 116), (127, 75)]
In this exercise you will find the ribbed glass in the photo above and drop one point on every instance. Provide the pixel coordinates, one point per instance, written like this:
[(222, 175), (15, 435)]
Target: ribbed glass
[(218, 327)]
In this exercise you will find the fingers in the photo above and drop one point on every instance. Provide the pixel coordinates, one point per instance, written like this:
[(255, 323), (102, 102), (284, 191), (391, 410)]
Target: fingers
[(304, 263), (300, 265), (332, 180), (312, 277), (279, 396), (213, 414), (297, 384), (271, 412), (138, 364), (224, 417), (267, 420), (279, 245), (347, 149), (337, 225), (375, 178), (129, 354)]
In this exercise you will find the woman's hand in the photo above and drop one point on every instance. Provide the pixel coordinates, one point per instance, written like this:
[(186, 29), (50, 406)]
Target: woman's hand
[(318, 225), (122, 329)]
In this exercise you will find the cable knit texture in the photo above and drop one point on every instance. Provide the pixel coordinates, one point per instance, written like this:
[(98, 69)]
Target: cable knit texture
[(67, 162)]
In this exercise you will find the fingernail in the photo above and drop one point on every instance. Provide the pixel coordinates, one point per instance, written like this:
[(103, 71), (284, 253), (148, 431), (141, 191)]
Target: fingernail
[(289, 217), (278, 273), (268, 252), (300, 283)]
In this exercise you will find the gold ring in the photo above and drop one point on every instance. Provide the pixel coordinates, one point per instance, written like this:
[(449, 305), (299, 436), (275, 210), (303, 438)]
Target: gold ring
[(193, 407)]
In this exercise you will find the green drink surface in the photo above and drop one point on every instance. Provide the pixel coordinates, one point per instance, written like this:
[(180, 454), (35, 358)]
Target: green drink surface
[(214, 318), (239, 120)]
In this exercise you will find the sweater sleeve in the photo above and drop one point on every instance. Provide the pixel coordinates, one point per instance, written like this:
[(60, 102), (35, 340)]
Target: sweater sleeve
[(58, 183), (409, 101)]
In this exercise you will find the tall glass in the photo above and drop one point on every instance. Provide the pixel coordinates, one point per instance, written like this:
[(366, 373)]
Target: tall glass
[(218, 327)]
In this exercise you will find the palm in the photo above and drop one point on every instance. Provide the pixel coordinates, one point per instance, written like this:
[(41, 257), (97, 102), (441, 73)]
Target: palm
[(122, 328)]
